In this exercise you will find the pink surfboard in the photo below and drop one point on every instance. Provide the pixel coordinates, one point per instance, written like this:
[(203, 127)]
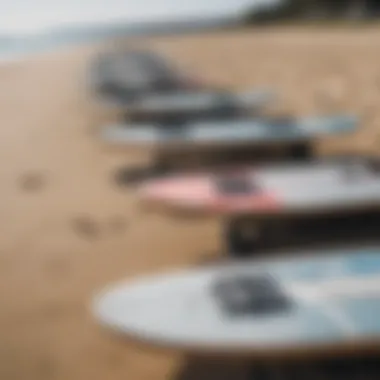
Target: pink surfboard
[(310, 187), (233, 192), (320, 201)]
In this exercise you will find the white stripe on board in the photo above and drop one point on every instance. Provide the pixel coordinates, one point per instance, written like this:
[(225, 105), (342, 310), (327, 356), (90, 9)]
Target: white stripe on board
[(338, 288), (323, 294)]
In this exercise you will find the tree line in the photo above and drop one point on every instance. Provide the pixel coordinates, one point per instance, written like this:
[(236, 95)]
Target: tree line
[(317, 9)]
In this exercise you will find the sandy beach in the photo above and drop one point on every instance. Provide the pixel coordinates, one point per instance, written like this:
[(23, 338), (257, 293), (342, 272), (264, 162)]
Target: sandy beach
[(67, 229)]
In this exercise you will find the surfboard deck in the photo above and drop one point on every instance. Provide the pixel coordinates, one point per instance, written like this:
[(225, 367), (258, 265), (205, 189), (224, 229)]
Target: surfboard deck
[(208, 134), (121, 77), (206, 103), (273, 190), (315, 303)]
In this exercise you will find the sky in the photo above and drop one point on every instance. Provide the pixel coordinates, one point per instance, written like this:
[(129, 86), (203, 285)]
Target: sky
[(34, 16)]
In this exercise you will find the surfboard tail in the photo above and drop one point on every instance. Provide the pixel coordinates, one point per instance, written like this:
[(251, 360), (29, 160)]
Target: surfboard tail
[(331, 124)]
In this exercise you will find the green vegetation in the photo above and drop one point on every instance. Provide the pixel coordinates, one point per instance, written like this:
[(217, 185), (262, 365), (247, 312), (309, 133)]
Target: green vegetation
[(318, 11)]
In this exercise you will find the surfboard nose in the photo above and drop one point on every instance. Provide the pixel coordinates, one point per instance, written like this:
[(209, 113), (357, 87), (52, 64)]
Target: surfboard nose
[(191, 190), (209, 194)]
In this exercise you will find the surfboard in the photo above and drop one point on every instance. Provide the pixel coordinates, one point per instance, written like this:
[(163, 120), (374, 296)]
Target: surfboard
[(282, 188), (316, 303), (225, 133), (119, 78), (196, 105), (272, 206)]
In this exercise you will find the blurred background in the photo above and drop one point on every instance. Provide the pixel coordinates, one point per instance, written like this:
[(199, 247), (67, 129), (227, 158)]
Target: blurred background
[(67, 229), (39, 24)]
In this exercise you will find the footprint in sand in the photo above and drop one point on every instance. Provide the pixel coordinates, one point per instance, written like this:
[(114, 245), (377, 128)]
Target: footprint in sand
[(86, 227), (32, 182), (127, 176)]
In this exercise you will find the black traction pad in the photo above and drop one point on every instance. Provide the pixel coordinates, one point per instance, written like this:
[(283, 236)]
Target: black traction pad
[(258, 294), (235, 185)]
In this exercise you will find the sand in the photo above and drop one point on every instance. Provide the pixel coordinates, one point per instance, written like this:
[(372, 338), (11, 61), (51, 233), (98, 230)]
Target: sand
[(67, 229)]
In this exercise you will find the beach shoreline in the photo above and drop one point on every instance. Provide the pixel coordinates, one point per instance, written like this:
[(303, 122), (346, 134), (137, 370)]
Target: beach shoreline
[(68, 229)]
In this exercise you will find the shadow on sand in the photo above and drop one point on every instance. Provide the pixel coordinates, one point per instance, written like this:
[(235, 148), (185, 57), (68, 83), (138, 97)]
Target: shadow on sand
[(195, 368)]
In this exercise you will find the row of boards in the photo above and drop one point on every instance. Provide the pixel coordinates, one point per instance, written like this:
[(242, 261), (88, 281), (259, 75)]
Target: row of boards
[(316, 301), (144, 84)]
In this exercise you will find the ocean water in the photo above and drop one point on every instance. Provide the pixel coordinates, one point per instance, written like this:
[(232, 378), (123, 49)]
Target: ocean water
[(14, 48)]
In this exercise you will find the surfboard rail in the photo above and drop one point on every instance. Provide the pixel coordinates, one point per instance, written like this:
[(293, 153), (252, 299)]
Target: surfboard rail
[(333, 295), (220, 133)]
